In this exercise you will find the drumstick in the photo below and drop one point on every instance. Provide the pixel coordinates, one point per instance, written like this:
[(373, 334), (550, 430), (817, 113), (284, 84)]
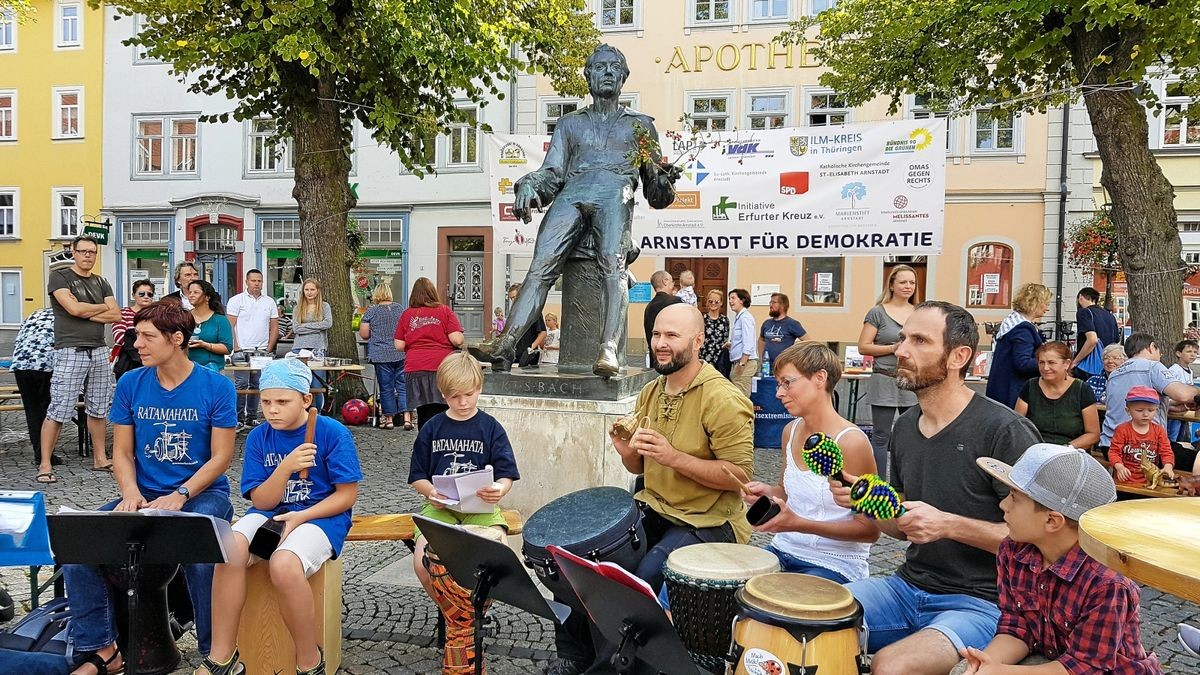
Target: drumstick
[(310, 432), (745, 488)]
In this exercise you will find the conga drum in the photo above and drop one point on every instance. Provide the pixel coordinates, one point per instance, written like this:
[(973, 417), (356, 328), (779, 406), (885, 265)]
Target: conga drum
[(601, 524), (702, 580), (787, 622), (155, 652), (454, 601)]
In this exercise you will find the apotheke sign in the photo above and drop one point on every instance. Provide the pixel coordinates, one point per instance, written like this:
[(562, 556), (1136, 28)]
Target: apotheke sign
[(745, 56)]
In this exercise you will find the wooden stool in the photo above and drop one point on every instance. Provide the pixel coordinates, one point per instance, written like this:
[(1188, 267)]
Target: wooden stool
[(263, 639)]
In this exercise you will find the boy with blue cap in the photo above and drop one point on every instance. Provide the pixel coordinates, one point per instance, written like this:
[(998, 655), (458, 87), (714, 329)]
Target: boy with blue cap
[(1056, 602), (310, 487)]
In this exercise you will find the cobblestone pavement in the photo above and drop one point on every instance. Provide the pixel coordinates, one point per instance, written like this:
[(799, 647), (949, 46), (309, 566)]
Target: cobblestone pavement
[(390, 628)]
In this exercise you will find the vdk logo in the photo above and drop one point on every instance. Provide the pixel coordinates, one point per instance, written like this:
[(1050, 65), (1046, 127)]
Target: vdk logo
[(720, 210), (793, 182), (695, 172)]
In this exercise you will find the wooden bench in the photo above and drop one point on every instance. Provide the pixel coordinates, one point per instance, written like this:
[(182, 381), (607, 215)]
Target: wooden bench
[(400, 527), (1143, 490)]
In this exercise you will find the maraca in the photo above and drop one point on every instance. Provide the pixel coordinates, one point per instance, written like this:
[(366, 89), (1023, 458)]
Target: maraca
[(874, 497), (823, 456)]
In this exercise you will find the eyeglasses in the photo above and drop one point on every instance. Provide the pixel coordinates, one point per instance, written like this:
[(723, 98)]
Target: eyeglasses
[(85, 251), (144, 294), (785, 383)]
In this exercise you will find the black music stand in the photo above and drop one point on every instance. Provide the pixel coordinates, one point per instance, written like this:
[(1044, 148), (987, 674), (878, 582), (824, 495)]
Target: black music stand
[(129, 541), (648, 643), (492, 570)]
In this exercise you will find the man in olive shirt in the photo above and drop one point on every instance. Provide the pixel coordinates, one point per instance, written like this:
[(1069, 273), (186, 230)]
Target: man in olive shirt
[(83, 303)]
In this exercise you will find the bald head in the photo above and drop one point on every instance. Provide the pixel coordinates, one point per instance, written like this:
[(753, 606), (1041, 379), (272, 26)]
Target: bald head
[(678, 336), (682, 317)]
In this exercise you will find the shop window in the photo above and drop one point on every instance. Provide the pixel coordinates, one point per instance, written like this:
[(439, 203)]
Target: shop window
[(147, 232), (824, 282), (825, 108), (989, 276)]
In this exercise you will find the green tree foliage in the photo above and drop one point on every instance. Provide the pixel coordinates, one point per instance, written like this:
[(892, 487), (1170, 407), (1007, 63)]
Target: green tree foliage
[(1029, 55), (23, 10), (397, 66)]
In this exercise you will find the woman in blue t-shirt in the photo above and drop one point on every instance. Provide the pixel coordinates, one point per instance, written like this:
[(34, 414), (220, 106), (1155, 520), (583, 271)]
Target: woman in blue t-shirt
[(213, 338)]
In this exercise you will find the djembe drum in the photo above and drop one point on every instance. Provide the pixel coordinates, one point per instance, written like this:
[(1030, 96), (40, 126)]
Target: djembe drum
[(155, 653), (702, 580), (454, 601), (788, 622)]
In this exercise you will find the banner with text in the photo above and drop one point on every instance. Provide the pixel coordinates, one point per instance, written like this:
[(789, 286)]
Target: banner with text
[(857, 189)]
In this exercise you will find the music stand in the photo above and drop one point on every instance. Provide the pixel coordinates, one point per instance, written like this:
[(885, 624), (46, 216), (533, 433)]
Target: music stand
[(129, 541), (492, 570), (648, 643)]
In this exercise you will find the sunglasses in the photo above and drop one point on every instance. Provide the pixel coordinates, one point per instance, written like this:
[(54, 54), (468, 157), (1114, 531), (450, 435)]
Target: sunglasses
[(144, 294)]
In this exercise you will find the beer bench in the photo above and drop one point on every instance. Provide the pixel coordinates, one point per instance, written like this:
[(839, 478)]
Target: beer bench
[(80, 419), (1143, 490)]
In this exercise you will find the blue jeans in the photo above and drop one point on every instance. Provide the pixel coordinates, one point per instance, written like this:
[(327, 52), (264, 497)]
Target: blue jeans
[(92, 625), (893, 609), (392, 395), (33, 663), (790, 563), (247, 404)]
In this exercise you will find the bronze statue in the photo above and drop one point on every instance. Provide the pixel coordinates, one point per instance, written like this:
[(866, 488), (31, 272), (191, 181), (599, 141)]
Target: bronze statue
[(596, 157)]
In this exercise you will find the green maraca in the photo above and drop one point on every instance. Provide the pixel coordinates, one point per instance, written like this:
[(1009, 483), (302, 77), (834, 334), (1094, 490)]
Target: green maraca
[(875, 498), (823, 456)]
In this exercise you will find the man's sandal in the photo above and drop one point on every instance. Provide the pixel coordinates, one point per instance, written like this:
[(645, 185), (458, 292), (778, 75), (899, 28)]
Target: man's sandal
[(233, 666), (101, 665)]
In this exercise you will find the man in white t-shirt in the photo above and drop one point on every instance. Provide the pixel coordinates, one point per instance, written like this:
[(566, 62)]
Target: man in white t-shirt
[(255, 321)]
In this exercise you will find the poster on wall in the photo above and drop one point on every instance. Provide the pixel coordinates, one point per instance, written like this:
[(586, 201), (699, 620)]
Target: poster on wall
[(991, 283), (856, 189)]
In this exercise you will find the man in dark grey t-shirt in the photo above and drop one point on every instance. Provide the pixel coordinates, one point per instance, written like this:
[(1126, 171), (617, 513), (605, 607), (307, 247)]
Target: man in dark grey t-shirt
[(943, 598), (83, 303)]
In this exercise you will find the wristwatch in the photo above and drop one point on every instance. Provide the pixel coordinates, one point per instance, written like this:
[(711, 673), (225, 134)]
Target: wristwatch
[(184, 491)]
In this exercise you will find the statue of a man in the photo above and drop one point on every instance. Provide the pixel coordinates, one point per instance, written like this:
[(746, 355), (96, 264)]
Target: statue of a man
[(590, 178)]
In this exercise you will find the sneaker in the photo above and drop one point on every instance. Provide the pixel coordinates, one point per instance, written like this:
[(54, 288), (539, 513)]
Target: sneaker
[(565, 667)]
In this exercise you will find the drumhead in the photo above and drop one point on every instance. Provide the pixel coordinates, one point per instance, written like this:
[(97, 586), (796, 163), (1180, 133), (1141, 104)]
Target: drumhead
[(720, 561), (578, 517), (798, 596)]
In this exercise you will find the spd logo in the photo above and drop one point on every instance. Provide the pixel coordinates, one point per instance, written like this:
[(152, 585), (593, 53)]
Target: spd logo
[(793, 182)]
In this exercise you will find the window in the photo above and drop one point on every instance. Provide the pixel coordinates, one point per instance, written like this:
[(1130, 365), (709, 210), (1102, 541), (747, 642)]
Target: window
[(921, 110), (556, 109), (618, 14), (11, 297), (8, 30), (769, 10), (464, 140), (70, 17), (710, 11), (165, 146), (826, 108), (145, 231), (8, 212), (285, 231), (767, 110), (385, 231), (709, 112), (815, 7), (995, 130), (8, 115), (823, 279), (989, 276), (67, 205), (68, 112), (139, 53), (1177, 128), (266, 154)]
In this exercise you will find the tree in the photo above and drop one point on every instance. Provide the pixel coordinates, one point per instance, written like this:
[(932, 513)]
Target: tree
[(1028, 55), (23, 10), (398, 67), (1092, 245)]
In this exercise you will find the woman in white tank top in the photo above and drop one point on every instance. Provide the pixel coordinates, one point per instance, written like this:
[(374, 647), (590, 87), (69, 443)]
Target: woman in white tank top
[(815, 535)]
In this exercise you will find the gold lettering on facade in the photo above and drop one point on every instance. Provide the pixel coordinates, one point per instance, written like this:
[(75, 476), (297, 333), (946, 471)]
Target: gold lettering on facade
[(730, 56), (752, 58), (678, 60), (723, 59), (774, 53), (703, 53)]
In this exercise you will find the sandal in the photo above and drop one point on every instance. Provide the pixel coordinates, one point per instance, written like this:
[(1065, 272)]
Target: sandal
[(106, 468), (385, 423), (233, 666), (47, 478), (408, 424), (318, 669), (101, 665)]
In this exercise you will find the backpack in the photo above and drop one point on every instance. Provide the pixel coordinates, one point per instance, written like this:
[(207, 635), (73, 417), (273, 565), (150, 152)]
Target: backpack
[(127, 357), (41, 630)]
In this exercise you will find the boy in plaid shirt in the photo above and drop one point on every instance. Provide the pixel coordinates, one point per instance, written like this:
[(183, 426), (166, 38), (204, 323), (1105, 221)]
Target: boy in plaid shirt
[(1056, 601)]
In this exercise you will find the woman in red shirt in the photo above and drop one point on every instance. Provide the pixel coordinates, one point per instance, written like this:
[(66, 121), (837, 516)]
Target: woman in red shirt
[(428, 332)]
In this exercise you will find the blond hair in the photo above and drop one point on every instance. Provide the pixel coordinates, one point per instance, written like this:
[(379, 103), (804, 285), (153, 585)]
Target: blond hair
[(808, 358), (886, 296), (459, 373), (307, 310), (382, 293), (1030, 296), (686, 278)]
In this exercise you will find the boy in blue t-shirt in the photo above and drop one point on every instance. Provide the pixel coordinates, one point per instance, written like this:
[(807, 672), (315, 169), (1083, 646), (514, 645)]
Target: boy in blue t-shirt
[(311, 489), (461, 439)]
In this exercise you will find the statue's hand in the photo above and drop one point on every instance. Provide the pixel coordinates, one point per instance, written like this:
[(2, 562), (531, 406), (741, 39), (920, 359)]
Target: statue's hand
[(527, 198), (671, 172)]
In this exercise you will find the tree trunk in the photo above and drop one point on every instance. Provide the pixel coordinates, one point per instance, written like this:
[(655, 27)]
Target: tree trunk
[(1143, 201), (324, 200)]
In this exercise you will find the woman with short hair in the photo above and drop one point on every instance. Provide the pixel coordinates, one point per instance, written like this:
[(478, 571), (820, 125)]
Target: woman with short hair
[(1061, 407), (1013, 360)]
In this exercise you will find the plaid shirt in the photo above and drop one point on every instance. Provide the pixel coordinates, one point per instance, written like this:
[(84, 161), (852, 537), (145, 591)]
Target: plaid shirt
[(1076, 611)]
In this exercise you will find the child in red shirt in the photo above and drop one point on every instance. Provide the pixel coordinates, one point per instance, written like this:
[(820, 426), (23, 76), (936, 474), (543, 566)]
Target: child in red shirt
[(1140, 437)]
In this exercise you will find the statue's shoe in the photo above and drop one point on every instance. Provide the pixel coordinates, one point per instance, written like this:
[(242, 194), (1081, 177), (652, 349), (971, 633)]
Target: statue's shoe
[(498, 351), (607, 364)]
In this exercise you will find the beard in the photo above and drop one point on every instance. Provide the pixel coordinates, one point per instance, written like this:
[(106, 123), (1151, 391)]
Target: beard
[(923, 378), (678, 361), (774, 313)]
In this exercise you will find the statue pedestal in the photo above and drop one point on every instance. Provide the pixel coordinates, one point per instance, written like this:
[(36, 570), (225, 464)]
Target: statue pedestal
[(582, 321), (561, 444)]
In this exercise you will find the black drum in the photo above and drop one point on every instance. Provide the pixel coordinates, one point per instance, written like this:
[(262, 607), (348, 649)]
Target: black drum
[(156, 653), (601, 524)]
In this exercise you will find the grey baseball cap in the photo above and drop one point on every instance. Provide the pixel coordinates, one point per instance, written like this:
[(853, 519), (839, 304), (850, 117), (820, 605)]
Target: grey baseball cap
[(1058, 477)]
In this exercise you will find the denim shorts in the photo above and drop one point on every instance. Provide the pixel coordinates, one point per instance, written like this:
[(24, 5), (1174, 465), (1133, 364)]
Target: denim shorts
[(894, 609), (790, 563)]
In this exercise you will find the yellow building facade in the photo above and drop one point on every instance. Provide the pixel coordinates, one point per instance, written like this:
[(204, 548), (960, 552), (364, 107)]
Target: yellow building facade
[(715, 61), (51, 80)]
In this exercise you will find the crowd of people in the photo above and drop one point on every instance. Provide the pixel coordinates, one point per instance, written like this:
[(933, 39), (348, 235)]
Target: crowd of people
[(993, 486)]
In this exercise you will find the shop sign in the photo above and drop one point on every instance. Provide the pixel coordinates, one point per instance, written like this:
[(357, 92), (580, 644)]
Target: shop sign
[(96, 233), (381, 253)]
